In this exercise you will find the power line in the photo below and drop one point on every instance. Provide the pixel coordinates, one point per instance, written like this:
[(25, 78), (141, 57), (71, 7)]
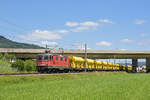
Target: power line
[(13, 24), (14, 30)]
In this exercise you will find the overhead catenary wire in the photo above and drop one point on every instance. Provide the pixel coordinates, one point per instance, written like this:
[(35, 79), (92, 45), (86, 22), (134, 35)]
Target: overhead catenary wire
[(13, 24), (17, 29)]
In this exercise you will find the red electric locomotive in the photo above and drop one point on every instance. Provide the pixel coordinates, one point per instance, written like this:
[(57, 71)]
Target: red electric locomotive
[(51, 63)]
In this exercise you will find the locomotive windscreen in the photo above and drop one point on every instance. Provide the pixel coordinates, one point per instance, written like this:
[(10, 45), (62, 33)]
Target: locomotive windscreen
[(45, 57), (39, 57)]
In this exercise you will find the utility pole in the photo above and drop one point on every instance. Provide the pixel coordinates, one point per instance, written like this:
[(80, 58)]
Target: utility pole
[(114, 60), (46, 46), (85, 58), (62, 51), (46, 51), (126, 62)]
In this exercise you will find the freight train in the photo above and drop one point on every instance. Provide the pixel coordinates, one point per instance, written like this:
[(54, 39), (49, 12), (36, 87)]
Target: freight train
[(56, 63)]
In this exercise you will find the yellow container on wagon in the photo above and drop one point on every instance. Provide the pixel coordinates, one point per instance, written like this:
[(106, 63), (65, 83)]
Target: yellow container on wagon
[(121, 67), (129, 68), (95, 64), (124, 67), (76, 62), (117, 66), (113, 67), (105, 65), (90, 64), (98, 64), (109, 65)]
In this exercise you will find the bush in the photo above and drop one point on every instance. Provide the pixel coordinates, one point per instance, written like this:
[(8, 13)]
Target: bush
[(27, 65), (5, 67), (30, 65), (19, 65), (1, 56)]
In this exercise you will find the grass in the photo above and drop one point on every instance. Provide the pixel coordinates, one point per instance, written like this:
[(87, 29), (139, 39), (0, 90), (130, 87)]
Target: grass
[(87, 86)]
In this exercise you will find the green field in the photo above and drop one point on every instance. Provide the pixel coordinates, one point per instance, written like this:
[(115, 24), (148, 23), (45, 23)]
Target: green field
[(89, 86)]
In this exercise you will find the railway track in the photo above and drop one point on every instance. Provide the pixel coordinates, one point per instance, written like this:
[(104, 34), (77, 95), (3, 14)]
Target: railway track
[(34, 74), (11, 74)]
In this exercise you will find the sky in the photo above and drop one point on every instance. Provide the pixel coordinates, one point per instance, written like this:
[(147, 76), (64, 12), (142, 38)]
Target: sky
[(68, 24)]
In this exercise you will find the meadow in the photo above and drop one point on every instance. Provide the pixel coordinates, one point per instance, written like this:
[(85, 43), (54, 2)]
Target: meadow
[(84, 86)]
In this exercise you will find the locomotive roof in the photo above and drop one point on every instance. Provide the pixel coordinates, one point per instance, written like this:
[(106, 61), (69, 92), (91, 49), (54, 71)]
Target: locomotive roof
[(52, 54)]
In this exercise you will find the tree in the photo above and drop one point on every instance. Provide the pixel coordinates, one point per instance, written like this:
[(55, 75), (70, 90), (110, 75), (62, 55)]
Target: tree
[(12, 57), (30, 65), (19, 64), (9, 57)]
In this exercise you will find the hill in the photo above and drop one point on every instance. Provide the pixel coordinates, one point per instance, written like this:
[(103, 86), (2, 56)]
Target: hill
[(6, 43)]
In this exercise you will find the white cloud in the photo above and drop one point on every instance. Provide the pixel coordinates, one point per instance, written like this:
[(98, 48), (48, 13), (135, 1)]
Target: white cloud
[(106, 21), (89, 24), (86, 23), (72, 24), (127, 40), (145, 43), (104, 43), (144, 34), (63, 31), (142, 43), (83, 26), (49, 44), (41, 35), (79, 29), (140, 21), (123, 49)]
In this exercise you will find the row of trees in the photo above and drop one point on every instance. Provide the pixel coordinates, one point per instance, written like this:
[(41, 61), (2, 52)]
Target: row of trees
[(20, 65)]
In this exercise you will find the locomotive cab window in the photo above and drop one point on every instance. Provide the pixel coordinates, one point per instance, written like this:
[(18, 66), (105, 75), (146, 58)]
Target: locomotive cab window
[(39, 57), (65, 59), (50, 57), (45, 57), (61, 58), (56, 58)]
